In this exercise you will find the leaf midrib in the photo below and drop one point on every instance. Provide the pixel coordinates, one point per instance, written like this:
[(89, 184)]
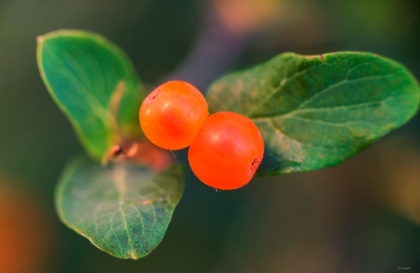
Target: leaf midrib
[(120, 184), (324, 109), (300, 108)]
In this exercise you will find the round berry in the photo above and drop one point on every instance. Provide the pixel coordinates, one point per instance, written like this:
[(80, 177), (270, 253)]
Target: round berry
[(227, 151), (172, 114)]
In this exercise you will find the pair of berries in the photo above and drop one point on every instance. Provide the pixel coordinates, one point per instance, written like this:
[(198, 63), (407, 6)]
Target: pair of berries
[(225, 148)]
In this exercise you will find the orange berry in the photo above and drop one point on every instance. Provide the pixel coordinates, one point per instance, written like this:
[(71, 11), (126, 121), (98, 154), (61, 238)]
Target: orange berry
[(227, 151), (172, 114)]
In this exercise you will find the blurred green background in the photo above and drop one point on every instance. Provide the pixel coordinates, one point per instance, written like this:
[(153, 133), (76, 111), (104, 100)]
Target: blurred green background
[(361, 216)]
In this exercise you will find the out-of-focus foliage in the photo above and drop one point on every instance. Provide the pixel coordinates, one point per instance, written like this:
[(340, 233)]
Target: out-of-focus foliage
[(245, 16), (26, 234), (395, 184)]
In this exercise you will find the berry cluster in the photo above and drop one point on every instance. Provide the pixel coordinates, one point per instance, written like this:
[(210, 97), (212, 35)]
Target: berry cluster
[(226, 148)]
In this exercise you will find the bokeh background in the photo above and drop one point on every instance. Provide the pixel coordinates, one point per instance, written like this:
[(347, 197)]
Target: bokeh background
[(361, 216)]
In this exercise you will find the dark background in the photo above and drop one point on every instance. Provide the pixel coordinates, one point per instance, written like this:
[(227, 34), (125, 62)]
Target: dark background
[(361, 216)]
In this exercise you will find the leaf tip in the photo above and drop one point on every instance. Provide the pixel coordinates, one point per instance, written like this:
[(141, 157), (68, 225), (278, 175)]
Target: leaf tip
[(40, 39), (134, 256), (320, 56)]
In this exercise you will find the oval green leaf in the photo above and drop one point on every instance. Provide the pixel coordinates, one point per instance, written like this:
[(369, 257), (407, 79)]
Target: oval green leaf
[(123, 210), (94, 84), (317, 111)]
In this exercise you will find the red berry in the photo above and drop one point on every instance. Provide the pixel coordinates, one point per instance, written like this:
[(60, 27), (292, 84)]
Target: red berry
[(227, 151), (172, 114)]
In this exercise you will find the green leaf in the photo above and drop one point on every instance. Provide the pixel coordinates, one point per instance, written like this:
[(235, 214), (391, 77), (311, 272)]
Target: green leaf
[(317, 111), (94, 84), (123, 210)]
